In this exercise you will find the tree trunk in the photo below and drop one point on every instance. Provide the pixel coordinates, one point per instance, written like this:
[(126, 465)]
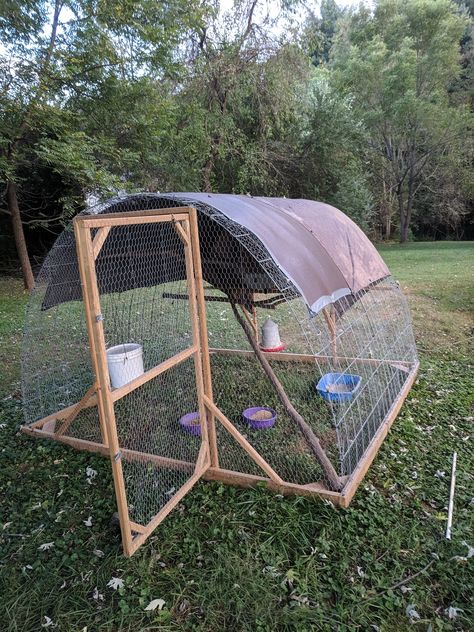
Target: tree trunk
[(403, 231), (387, 213), (12, 202), (388, 226), (409, 208), (401, 210)]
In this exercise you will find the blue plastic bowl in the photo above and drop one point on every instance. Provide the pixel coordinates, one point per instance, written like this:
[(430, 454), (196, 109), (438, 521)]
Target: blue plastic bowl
[(343, 380)]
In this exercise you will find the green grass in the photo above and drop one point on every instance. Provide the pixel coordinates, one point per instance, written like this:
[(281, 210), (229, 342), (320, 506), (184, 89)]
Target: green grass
[(248, 560)]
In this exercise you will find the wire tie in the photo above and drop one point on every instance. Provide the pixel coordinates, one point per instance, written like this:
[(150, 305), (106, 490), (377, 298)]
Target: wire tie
[(118, 456), (99, 318)]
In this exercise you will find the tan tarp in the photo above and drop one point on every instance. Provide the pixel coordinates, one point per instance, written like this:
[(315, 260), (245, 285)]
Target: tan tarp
[(324, 253)]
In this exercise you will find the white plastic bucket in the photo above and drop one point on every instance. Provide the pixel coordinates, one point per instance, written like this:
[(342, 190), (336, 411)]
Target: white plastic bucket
[(125, 363)]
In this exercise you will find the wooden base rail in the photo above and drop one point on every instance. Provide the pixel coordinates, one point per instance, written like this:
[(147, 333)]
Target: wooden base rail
[(307, 357), (239, 479), (207, 473)]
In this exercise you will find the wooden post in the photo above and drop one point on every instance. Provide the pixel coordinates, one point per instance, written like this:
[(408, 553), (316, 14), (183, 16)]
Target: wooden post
[(330, 317), (81, 247), (191, 283), (106, 405), (201, 308), (255, 322)]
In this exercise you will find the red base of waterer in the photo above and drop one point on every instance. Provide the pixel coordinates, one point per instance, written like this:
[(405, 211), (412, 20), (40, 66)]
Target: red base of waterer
[(282, 347)]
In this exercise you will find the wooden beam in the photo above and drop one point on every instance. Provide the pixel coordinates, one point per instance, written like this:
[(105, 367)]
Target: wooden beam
[(251, 319), (308, 357), (370, 453), (203, 460), (61, 414), (242, 441), (209, 298), (330, 318), (204, 341), (196, 335), (181, 233), (81, 246), (78, 444), (127, 453), (133, 217), (99, 240), (98, 349), (120, 392), (161, 515), (229, 477)]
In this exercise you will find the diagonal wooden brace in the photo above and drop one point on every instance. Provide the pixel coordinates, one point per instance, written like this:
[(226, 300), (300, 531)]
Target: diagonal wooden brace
[(76, 410)]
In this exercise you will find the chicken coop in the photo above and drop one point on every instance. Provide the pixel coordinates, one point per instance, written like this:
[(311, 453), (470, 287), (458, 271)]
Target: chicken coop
[(231, 338)]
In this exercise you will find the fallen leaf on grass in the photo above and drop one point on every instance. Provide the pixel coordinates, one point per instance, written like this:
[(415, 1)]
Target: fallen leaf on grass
[(470, 549), (411, 612), (97, 595), (46, 546), (88, 522), (90, 474), (48, 623), (115, 583), (452, 612), (156, 603)]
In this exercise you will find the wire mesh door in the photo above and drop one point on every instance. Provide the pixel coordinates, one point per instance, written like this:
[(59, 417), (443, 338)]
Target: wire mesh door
[(142, 290)]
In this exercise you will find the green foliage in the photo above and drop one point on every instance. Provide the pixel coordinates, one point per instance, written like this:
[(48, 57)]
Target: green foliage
[(330, 156), (367, 109), (78, 92), (398, 65)]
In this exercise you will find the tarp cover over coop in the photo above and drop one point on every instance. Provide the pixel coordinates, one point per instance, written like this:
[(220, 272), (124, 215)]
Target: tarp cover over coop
[(143, 341)]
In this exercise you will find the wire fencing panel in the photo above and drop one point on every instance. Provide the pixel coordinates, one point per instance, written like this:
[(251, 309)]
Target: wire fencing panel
[(144, 295), (141, 277)]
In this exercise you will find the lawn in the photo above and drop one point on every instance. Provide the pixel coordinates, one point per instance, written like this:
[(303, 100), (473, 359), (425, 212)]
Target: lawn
[(249, 560)]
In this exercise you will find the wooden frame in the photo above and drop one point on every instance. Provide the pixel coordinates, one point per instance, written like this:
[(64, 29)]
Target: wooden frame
[(91, 233)]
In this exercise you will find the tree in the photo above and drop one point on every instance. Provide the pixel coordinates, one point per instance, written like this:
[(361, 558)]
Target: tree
[(60, 59), (237, 115), (398, 64), (320, 30), (330, 155)]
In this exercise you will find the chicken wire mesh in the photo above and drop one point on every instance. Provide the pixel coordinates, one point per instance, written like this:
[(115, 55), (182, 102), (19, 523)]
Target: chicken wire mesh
[(144, 299)]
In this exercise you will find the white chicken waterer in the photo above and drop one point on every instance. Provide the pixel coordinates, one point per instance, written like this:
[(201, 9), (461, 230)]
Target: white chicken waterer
[(271, 337)]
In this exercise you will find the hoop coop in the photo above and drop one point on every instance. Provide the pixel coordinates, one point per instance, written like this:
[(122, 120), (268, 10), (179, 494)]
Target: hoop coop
[(143, 342)]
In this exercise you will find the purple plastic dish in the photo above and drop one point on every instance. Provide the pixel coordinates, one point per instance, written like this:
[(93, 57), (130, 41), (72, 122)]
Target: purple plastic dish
[(259, 424), (187, 423)]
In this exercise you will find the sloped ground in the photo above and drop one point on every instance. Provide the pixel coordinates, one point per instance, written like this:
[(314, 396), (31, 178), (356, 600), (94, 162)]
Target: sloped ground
[(241, 560)]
